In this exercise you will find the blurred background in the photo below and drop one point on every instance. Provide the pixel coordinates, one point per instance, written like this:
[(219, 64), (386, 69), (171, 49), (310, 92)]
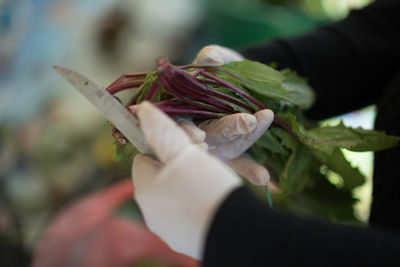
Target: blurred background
[(54, 146)]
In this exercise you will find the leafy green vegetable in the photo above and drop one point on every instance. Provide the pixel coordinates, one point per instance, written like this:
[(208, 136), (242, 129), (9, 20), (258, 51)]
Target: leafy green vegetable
[(328, 138), (271, 143), (255, 71), (295, 175), (337, 162), (301, 93), (260, 79), (300, 157)]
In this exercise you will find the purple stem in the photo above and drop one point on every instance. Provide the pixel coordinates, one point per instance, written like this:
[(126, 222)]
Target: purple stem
[(126, 76), (170, 89), (177, 107), (200, 114), (205, 99), (136, 75), (165, 96), (155, 87), (189, 89), (211, 67), (229, 73), (229, 99), (278, 120), (135, 97), (207, 81), (234, 88), (285, 126), (196, 73), (115, 82), (194, 85), (120, 87)]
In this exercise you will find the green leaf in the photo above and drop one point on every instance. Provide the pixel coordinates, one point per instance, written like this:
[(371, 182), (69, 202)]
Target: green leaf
[(259, 154), (301, 93), (328, 138), (258, 79), (254, 71), (269, 141), (326, 199), (320, 199), (338, 163), (295, 174), (294, 124), (124, 151), (287, 140)]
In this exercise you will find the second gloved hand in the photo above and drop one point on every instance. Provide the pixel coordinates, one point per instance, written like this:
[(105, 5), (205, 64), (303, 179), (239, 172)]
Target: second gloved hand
[(229, 137)]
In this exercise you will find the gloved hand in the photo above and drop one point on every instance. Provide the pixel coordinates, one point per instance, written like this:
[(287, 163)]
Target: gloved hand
[(229, 137), (180, 193)]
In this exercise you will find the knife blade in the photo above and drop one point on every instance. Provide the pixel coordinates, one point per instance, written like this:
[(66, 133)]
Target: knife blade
[(120, 117)]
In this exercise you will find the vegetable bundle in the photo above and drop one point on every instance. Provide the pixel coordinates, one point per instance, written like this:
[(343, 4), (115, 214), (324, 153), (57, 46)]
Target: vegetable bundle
[(299, 154)]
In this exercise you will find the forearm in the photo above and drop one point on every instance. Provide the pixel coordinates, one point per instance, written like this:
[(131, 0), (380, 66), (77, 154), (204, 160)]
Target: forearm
[(347, 63), (245, 232)]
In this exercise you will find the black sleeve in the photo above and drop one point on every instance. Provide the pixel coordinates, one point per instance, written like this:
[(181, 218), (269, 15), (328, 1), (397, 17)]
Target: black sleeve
[(245, 232), (347, 63)]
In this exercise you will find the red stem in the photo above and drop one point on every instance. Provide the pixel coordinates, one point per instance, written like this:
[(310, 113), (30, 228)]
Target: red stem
[(120, 87), (135, 97), (187, 100), (136, 75), (115, 82), (234, 88), (175, 107), (196, 73), (195, 86), (155, 87), (185, 84)]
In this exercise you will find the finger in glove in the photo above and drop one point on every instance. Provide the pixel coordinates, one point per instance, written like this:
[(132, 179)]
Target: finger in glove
[(162, 134), (220, 131), (248, 168)]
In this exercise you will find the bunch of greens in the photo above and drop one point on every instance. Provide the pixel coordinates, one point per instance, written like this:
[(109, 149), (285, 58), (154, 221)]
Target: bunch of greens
[(299, 154)]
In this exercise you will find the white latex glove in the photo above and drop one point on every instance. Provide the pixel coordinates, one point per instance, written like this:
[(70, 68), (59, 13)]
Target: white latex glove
[(216, 55), (180, 193)]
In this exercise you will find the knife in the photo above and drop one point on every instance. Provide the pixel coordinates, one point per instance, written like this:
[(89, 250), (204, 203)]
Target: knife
[(113, 110)]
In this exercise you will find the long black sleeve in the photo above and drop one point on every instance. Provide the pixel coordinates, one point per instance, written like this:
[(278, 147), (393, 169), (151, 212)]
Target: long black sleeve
[(350, 64), (245, 232), (347, 63)]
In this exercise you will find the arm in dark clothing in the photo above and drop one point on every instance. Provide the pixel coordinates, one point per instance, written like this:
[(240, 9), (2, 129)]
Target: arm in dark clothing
[(347, 63), (245, 232), (352, 64)]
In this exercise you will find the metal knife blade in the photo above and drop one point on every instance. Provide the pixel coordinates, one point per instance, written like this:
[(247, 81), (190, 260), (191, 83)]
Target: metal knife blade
[(124, 121)]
